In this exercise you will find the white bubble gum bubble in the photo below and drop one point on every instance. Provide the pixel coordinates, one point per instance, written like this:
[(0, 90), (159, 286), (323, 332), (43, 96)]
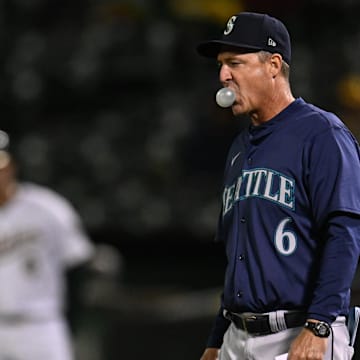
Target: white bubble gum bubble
[(225, 97)]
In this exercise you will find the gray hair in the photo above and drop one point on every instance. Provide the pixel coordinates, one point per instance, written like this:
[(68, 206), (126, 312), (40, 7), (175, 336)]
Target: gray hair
[(285, 68)]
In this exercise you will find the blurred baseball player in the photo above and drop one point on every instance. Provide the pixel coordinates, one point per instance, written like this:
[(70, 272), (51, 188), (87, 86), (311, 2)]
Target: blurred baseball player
[(290, 218), (40, 239)]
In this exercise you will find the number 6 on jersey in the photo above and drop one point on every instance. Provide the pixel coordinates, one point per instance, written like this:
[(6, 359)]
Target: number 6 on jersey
[(285, 240)]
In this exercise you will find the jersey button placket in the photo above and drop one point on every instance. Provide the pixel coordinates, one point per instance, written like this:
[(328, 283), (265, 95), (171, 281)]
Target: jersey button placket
[(241, 258)]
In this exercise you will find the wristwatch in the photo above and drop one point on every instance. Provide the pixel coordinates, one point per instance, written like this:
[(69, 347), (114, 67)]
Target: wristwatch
[(321, 328)]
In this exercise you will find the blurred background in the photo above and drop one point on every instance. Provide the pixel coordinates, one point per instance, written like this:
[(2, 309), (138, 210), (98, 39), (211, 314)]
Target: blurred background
[(107, 102)]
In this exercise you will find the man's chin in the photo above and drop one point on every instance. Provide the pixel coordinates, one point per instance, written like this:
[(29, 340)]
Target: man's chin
[(238, 110)]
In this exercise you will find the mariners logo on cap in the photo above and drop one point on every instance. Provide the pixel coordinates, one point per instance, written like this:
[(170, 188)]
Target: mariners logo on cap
[(230, 25)]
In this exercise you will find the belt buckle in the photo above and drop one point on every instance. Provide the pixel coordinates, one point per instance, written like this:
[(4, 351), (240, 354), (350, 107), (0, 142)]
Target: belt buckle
[(244, 320)]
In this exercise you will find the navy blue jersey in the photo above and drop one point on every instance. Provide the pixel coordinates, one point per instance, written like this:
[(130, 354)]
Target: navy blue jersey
[(289, 216)]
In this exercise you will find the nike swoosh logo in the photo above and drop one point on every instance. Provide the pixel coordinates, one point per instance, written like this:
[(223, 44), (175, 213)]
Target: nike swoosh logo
[(234, 158)]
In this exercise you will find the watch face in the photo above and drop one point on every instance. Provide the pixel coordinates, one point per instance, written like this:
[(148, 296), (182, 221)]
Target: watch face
[(322, 330)]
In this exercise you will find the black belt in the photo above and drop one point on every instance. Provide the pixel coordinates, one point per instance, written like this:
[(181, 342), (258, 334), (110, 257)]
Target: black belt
[(258, 324)]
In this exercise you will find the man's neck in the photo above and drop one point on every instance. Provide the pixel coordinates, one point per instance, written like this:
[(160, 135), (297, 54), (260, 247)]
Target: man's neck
[(274, 105)]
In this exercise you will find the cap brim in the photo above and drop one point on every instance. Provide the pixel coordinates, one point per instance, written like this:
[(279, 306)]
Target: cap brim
[(212, 48)]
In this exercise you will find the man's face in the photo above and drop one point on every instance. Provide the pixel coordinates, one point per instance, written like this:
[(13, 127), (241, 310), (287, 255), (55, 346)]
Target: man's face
[(249, 77)]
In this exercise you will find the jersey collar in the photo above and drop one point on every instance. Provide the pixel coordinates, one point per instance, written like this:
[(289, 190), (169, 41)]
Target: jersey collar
[(258, 133)]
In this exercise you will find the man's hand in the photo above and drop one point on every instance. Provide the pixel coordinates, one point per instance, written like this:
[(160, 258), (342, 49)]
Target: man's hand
[(210, 354), (308, 346)]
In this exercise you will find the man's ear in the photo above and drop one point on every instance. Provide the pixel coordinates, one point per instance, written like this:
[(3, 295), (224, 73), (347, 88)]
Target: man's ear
[(275, 63)]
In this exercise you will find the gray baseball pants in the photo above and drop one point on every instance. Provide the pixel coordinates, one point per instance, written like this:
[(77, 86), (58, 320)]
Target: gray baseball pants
[(239, 345)]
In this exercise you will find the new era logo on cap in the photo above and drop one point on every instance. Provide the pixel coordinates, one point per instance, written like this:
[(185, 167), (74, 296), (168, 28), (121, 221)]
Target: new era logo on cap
[(271, 42), (253, 32)]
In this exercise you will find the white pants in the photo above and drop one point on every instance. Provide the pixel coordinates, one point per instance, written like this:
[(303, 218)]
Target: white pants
[(42, 340), (239, 345)]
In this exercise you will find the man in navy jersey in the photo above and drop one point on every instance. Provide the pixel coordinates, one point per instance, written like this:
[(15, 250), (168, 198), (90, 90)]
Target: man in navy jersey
[(290, 217)]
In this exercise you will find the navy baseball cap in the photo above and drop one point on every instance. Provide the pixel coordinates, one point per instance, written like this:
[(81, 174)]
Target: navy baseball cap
[(253, 32)]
